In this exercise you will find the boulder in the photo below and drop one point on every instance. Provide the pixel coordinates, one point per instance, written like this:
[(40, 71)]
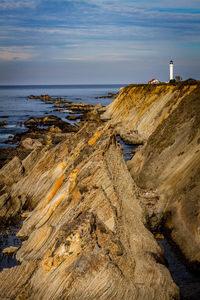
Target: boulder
[(10, 250), (30, 144), (47, 98), (50, 120), (33, 97), (3, 123), (11, 172)]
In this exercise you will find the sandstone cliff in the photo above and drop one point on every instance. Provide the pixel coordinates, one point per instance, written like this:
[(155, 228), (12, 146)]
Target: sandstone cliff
[(85, 234), (166, 119), (87, 214), (139, 109)]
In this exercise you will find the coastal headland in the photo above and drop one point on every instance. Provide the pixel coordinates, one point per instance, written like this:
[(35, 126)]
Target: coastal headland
[(90, 219)]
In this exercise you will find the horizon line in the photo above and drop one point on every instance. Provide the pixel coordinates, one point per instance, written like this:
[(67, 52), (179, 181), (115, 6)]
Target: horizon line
[(63, 84)]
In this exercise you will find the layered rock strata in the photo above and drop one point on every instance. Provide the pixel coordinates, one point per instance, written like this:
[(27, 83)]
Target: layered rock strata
[(140, 109), (87, 211), (166, 119), (85, 235)]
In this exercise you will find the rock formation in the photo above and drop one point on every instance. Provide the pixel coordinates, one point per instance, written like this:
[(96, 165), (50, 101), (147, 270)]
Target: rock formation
[(166, 119), (3, 123), (85, 235)]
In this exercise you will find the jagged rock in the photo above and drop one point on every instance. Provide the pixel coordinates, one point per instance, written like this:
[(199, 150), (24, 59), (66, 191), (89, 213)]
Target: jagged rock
[(30, 144), (50, 120), (131, 137), (10, 250), (11, 172), (142, 108), (86, 235), (47, 98), (170, 163), (91, 116), (33, 97), (55, 129), (30, 161), (25, 214), (42, 97), (78, 107), (109, 95), (167, 118), (3, 123), (73, 117), (101, 109), (98, 106)]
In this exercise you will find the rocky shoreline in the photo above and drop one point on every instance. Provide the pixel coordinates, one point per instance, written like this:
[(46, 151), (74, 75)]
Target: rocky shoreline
[(90, 217), (48, 129)]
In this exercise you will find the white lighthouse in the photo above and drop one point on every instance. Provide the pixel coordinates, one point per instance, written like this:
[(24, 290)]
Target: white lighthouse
[(171, 70)]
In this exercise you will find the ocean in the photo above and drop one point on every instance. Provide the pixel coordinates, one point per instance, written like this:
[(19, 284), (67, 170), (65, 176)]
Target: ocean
[(15, 107)]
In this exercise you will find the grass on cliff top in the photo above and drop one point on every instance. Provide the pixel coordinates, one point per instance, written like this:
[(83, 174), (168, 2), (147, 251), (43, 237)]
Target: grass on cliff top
[(189, 81)]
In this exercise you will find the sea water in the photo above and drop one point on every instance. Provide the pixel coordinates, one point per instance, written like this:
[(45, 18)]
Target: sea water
[(16, 107)]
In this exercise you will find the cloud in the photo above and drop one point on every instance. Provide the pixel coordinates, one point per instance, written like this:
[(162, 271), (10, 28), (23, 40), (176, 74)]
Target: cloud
[(72, 45), (73, 35), (135, 4), (17, 4), (85, 32), (16, 53), (102, 58)]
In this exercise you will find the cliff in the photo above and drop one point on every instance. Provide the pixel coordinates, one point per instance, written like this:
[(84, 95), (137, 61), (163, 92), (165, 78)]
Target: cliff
[(166, 119), (140, 109), (88, 214), (85, 235)]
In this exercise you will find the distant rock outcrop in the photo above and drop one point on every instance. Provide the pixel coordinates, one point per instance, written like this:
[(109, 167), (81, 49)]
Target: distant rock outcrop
[(3, 123)]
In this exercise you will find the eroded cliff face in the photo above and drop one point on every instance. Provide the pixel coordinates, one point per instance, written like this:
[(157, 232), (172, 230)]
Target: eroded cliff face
[(87, 212), (139, 110), (85, 235), (166, 118)]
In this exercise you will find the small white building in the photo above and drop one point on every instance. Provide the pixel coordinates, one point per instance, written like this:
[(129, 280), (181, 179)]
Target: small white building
[(154, 81)]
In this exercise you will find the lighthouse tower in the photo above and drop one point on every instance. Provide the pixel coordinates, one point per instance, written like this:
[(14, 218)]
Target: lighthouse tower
[(171, 70)]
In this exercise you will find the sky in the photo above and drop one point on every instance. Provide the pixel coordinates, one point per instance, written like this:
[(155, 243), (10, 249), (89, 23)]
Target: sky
[(98, 42)]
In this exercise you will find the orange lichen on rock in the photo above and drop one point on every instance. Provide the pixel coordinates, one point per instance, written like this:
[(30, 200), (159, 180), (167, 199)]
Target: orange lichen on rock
[(66, 191), (93, 140), (55, 204), (54, 257), (57, 184), (159, 236), (72, 180)]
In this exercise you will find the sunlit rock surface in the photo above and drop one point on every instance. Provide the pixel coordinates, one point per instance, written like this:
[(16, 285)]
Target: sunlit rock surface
[(88, 213), (167, 167), (140, 109), (85, 234)]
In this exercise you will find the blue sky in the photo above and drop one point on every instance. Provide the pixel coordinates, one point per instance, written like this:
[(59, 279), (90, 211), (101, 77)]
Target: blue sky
[(93, 41)]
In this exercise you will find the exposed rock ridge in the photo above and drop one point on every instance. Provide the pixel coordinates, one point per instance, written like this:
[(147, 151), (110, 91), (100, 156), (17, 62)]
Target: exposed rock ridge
[(85, 235), (166, 118), (138, 110)]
